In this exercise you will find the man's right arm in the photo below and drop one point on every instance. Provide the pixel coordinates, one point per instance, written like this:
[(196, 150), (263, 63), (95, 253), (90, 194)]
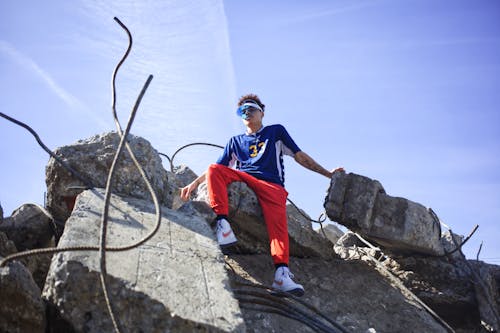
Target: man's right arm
[(306, 161), (187, 190)]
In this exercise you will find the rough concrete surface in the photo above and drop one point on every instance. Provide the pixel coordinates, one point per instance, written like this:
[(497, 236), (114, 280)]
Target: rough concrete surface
[(92, 158), (21, 307), (361, 204), (351, 293), (161, 278)]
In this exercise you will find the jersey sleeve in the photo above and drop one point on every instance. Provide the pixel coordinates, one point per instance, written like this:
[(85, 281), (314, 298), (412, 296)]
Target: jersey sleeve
[(227, 157), (290, 146)]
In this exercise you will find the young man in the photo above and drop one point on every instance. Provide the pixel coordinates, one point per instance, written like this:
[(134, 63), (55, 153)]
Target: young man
[(258, 157)]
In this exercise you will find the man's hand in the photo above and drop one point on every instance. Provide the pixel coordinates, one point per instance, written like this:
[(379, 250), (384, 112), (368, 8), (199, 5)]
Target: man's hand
[(187, 190), (339, 169)]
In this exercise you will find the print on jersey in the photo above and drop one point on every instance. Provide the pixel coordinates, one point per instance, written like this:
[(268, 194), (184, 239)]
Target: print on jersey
[(255, 149)]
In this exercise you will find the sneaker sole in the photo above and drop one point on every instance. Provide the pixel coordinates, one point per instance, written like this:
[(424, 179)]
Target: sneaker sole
[(228, 244), (295, 292)]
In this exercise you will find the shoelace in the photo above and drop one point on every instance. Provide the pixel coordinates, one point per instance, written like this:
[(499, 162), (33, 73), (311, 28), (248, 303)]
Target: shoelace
[(219, 226), (290, 274)]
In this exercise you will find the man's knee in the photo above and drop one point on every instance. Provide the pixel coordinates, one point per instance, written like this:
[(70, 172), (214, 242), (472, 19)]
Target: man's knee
[(217, 171), (214, 168)]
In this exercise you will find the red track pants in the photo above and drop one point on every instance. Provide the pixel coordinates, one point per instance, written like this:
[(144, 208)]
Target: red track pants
[(272, 199)]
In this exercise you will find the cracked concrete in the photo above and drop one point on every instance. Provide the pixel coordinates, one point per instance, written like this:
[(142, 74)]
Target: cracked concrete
[(164, 276)]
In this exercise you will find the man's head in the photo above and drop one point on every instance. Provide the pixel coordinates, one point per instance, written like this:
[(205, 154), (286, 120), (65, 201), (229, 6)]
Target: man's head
[(249, 107), (251, 97)]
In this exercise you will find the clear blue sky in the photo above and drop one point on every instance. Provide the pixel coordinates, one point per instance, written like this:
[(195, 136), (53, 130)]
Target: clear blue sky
[(405, 92)]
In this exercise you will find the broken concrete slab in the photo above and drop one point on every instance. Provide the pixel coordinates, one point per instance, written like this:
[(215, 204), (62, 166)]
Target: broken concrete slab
[(487, 294), (183, 175), (351, 199), (331, 232), (174, 282), (350, 293), (92, 158), (28, 227), (305, 241), (362, 205), (21, 305), (7, 247)]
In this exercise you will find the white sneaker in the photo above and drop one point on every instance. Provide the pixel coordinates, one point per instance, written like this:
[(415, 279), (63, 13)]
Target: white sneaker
[(225, 235), (283, 282)]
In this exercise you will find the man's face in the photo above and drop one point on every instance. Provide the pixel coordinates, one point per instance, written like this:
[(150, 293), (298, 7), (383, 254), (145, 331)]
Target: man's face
[(252, 116)]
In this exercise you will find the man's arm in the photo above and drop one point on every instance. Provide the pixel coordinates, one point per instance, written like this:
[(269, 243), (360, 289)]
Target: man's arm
[(187, 190), (307, 162)]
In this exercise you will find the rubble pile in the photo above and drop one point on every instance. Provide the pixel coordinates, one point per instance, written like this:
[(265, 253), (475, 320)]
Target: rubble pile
[(180, 281)]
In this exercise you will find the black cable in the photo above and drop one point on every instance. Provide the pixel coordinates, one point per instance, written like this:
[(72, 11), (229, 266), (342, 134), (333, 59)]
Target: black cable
[(107, 199), (186, 146), (293, 297), (283, 294), (123, 142), (64, 164), (168, 158), (282, 313), (281, 303), (115, 72), (459, 247)]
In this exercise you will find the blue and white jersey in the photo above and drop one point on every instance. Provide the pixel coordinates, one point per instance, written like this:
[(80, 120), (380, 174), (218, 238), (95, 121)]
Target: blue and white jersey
[(260, 154)]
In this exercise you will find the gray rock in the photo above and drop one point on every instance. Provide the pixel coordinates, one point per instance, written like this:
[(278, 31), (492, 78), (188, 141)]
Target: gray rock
[(442, 284), (361, 205), (93, 158), (304, 241), (351, 199), (403, 224), (249, 227), (38, 265), (7, 247), (28, 227), (351, 293), (449, 241), (174, 282), (21, 306), (183, 175), (487, 292), (331, 232)]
